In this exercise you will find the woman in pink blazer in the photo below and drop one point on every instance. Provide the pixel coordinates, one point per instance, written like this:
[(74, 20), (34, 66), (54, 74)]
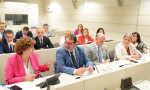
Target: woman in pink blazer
[(21, 67)]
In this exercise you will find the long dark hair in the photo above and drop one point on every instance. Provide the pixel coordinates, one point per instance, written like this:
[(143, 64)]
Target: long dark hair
[(138, 36), (99, 30)]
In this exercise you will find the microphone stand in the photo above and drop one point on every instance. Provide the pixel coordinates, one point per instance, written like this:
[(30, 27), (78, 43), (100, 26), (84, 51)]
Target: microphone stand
[(95, 66), (41, 75)]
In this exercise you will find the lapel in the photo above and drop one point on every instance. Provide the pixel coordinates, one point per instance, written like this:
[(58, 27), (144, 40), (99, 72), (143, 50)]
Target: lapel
[(124, 50), (68, 56), (95, 49), (20, 65), (77, 56), (33, 63), (38, 42), (44, 39)]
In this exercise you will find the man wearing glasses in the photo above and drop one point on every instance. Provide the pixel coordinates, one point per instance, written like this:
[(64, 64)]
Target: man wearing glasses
[(7, 44), (71, 58)]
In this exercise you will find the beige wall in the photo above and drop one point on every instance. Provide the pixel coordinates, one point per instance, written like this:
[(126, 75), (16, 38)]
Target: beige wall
[(35, 11), (132, 16)]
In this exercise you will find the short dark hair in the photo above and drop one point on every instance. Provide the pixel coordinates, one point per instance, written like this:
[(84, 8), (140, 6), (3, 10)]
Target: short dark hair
[(99, 30), (45, 25), (25, 28), (72, 37), (9, 32), (138, 36)]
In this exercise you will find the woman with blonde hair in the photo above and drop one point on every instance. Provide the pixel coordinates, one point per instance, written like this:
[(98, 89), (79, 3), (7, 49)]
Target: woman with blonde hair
[(126, 50), (62, 39), (85, 38)]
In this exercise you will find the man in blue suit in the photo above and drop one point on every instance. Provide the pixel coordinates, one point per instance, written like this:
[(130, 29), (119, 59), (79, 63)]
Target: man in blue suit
[(24, 33), (71, 58), (7, 44), (2, 30)]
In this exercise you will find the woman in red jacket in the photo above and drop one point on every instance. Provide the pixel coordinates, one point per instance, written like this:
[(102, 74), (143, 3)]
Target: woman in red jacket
[(85, 38)]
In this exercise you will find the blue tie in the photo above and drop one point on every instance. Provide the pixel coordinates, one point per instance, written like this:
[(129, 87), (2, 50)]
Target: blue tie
[(99, 54), (10, 49)]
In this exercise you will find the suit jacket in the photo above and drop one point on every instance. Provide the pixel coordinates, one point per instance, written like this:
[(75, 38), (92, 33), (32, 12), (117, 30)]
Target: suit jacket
[(64, 61), (15, 72), (4, 48), (81, 40), (46, 42), (92, 52), (19, 34), (121, 52)]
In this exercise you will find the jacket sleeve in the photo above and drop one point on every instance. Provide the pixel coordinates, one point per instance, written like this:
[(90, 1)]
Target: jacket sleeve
[(1, 48), (50, 45), (60, 58), (88, 52), (9, 74), (42, 68)]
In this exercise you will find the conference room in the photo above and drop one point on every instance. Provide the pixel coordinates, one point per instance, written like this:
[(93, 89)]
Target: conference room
[(82, 44)]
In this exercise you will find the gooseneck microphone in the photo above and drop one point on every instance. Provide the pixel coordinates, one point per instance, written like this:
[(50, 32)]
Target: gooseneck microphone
[(41, 75), (95, 66)]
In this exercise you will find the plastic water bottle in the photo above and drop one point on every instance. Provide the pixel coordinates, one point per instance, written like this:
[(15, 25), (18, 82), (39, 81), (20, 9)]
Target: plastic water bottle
[(143, 56), (3, 86)]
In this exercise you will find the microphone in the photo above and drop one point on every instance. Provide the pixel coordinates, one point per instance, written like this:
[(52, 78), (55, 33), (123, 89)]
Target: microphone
[(41, 75), (95, 66), (147, 48)]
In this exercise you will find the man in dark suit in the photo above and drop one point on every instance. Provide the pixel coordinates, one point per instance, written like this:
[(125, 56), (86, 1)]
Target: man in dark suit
[(7, 44), (71, 58), (2, 30), (24, 33), (42, 42)]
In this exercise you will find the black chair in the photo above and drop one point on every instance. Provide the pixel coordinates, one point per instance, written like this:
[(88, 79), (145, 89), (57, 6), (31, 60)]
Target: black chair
[(56, 45), (111, 55), (55, 66)]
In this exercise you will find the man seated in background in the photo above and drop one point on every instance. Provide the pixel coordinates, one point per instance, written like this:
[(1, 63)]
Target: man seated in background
[(96, 51), (71, 58), (2, 30), (7, 45), (47, 32), (24, 33), (41, 41)]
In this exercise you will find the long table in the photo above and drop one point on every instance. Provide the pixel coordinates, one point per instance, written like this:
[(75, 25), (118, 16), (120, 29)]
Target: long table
[(109, 77)]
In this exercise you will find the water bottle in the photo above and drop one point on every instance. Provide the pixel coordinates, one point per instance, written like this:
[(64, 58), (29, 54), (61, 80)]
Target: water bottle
[(3, 86), (143, 56)]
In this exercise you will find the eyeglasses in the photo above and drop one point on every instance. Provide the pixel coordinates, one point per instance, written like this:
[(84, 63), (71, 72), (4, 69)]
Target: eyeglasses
[(69, 44), (9, 37)]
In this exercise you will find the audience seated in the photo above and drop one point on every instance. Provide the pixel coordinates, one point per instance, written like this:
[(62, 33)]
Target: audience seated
[(97, 51), (85, 38), (7, 44), (21, 66), (41, 41), (47, 32), (24, 33), (79, 30), (62, 39), (126, 50), (2, 31), (71, 58), (139, 45)]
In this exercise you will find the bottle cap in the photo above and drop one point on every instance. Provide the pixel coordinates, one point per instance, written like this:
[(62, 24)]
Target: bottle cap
[(3, 84)]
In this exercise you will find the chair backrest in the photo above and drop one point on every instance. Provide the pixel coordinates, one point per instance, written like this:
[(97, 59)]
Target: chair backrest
[(55, 66), (111, 55), (56, 45)]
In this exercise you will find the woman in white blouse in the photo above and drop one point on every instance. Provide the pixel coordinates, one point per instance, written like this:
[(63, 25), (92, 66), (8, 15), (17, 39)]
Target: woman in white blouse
[(125, 50)]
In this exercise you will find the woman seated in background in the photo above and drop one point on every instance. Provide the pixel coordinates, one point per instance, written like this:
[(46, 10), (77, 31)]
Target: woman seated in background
[(139, 45), (79, 30), (85, 38), (24, 65), (62, 39), (126, 50), (100, 30)]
